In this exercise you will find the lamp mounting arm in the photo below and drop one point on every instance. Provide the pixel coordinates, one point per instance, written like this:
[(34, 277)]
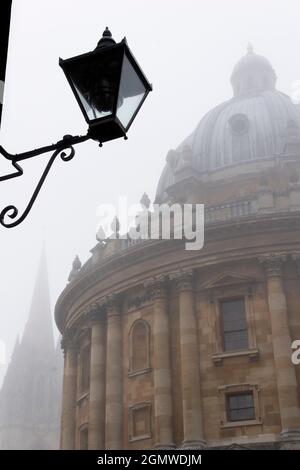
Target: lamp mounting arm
[(63, 148)]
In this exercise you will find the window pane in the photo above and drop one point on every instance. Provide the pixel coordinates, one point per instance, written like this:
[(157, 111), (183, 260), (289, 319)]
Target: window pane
[(240, 407), (140, 344), (85, 358)]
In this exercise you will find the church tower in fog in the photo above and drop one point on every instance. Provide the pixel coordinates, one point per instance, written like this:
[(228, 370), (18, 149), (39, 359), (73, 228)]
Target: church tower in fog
[(31, 392)]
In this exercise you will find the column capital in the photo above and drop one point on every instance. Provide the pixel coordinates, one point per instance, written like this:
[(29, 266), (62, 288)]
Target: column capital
[(156, 286), (95, 313), (273, 264), (112, 303), (183, 279), (68, 343)]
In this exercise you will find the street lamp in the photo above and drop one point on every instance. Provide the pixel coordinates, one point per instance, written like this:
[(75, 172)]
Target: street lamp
[(110, 89)]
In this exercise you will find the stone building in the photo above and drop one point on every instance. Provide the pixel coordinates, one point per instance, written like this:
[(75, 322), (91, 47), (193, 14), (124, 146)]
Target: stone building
[(30, 397), (170, 348)]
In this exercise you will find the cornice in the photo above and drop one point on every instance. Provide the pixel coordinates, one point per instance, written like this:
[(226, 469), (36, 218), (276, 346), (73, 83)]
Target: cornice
[(142, 253)]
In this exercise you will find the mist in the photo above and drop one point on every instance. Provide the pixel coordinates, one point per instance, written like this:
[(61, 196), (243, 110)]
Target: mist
[(187, 48)]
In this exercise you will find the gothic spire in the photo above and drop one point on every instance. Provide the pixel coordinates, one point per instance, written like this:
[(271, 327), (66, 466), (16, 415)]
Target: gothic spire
[(38, 333)]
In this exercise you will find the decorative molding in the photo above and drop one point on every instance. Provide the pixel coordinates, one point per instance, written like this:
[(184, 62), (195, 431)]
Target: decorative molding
[(67, 343), (138, 300), (113, 304), (227, 278), (183, 279), (273, 263), (253, 355), (94, 313), (133, 433), (156, 287), (229, 389)]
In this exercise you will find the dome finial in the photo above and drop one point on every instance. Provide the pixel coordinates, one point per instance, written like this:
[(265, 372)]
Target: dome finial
[(250, 48)]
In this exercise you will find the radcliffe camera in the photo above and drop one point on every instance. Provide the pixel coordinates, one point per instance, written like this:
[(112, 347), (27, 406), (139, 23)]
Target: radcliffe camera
[(149, 233)]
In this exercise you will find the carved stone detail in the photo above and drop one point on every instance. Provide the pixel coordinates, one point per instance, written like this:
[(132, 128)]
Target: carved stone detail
[(183, 279), (95, 313), (273, 264), (156, 286), (76, 267), (67, 342), (113, 304), (139, 300)]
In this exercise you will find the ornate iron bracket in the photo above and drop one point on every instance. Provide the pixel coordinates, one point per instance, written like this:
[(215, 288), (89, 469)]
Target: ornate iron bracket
[(64, 148)]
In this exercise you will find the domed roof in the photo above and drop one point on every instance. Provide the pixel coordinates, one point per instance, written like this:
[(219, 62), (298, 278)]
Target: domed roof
[(250, 126)]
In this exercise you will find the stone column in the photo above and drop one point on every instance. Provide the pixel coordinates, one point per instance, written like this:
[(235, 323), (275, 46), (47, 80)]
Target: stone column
[(97, 382), (285, 371), (163, 404), (68, 417), (114, 373), (190, 366)]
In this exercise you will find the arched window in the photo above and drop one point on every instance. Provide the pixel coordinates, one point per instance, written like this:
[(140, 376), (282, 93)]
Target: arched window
[(139, 341)]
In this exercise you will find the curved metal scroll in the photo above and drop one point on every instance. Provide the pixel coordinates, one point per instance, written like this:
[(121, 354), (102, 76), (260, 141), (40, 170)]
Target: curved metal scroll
[(63, 148)]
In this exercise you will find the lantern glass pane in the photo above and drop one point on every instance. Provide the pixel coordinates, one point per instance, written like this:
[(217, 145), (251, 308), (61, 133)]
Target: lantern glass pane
[(131, 94), (96, 84), (91, 110)]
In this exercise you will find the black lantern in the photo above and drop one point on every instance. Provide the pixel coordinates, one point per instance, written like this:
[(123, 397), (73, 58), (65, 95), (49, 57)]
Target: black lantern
[(110, 89), (109, 86)]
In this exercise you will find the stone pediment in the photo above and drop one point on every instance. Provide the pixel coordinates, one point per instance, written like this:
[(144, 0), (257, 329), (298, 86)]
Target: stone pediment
[(226, 279)]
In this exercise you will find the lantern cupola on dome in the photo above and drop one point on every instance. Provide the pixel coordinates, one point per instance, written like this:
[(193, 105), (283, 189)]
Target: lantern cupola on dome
[(253, 73)]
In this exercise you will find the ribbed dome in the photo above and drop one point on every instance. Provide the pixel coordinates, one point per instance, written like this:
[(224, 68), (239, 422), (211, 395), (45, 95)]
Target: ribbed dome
[(252, 125)]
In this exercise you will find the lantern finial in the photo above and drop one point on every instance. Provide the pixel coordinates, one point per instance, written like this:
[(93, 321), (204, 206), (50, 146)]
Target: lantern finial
[(106, 40)]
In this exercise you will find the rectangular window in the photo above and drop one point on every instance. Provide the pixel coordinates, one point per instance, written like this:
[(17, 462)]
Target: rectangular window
[(84, 437), (240, 407), (85, 359), (234, 325)]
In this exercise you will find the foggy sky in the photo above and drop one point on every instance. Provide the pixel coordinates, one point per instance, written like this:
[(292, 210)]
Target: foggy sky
[(187, 49)]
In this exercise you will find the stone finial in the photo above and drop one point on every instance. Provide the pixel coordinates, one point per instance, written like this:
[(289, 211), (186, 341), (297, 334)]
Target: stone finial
[(75, 269), (100, 236), (145, 201)]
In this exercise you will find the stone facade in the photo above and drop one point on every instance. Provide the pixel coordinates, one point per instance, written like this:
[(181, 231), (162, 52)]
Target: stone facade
[(149, 316)]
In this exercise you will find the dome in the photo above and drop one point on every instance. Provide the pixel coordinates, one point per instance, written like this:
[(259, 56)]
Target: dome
[(252, 125)]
